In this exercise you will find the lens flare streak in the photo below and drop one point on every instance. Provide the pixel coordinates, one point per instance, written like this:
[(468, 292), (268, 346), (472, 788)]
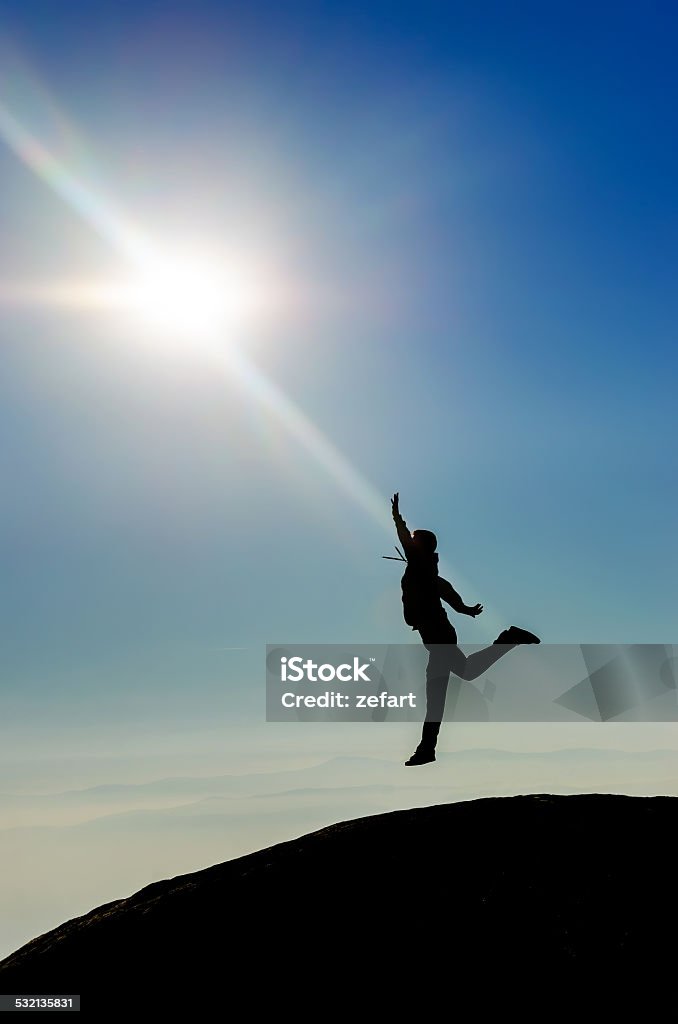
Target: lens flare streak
[(143, 257)]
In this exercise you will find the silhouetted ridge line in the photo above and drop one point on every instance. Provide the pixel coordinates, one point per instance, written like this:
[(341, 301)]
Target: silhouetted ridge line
[(500, 884)]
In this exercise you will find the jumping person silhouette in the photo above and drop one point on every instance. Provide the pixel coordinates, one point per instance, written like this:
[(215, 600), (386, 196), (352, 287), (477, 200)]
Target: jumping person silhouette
[(423, 590)]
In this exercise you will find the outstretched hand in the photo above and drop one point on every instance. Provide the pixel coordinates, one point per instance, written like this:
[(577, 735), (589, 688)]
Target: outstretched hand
[(476, 610), (394, 502)]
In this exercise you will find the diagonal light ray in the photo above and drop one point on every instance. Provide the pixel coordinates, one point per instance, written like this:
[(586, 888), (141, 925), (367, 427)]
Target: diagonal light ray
[(111, 224), (316, 443), (97, 212), (130, 243), (363, 493)]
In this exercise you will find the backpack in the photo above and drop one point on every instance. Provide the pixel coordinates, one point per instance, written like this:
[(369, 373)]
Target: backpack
[(419, 590)]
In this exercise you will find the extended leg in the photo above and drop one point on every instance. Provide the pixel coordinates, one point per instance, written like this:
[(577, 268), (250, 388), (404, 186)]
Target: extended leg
[(477, 664), (471, 666), (446, 658)]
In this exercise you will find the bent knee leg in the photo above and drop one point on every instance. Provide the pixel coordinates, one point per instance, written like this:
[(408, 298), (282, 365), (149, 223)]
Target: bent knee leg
[(459, 663)]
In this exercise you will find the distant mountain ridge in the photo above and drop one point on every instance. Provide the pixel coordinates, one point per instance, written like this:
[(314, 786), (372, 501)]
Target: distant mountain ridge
[(368, 763)]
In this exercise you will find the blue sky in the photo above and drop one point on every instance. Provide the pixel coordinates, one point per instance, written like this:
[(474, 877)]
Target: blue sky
[(477, 206)]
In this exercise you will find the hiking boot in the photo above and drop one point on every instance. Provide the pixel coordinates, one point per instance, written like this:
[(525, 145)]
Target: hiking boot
[(516, 635), (421, 756)]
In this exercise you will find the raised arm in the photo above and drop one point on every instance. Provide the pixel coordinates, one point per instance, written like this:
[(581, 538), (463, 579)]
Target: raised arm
[(404, 535), (451, 597)]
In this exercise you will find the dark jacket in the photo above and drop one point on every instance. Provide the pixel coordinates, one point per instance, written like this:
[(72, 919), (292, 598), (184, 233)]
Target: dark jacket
[(419, 585), (423, 589)]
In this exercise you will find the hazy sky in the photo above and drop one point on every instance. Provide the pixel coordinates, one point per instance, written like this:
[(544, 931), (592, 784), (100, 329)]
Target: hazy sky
[(468, 216)]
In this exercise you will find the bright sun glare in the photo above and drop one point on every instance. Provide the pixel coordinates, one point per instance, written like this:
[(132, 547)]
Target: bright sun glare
[(173, 299), (188, 295)]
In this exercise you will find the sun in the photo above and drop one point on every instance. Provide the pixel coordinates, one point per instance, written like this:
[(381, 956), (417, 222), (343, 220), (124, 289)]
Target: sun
[(186, 295), (176, 298)]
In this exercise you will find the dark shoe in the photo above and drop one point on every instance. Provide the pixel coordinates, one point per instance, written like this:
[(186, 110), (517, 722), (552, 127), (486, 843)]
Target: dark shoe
[(516, 635), (421, 757)]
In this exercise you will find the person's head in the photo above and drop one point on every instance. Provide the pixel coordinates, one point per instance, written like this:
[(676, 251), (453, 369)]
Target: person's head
[(425, 541)]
